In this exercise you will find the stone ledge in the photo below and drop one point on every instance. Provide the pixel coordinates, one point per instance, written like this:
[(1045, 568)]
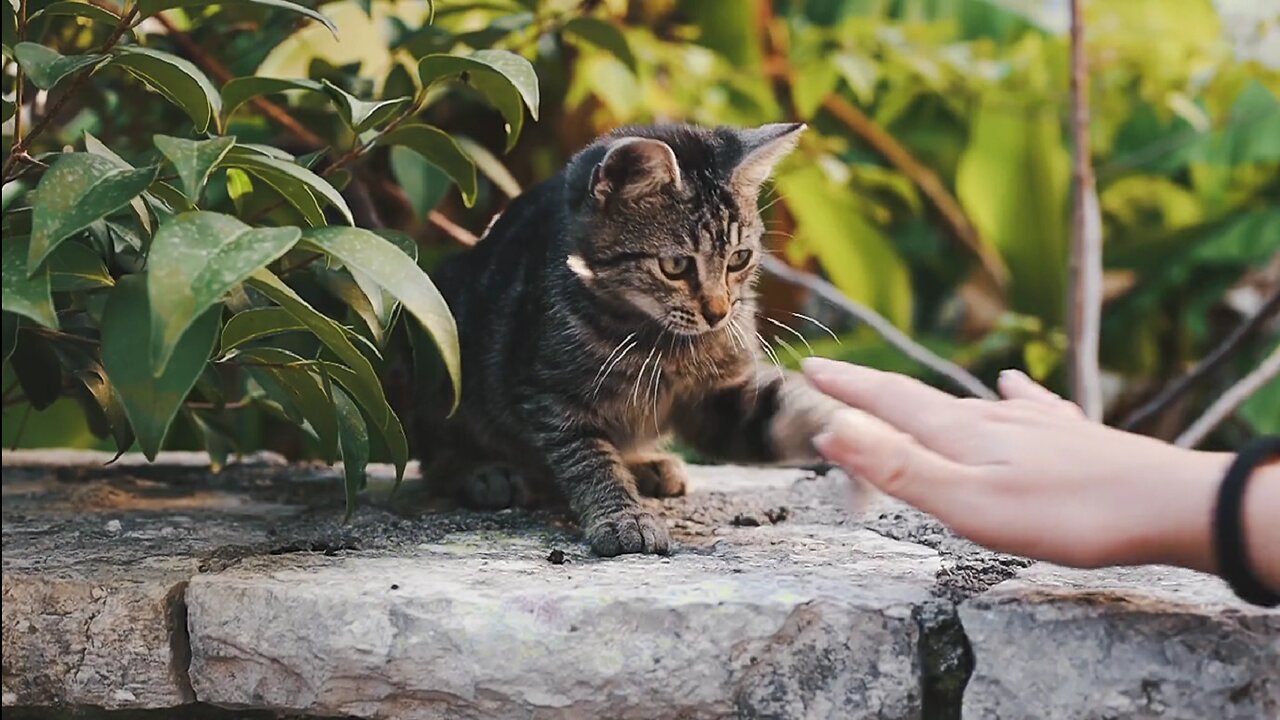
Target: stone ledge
[(140, 587), (1124, 643)]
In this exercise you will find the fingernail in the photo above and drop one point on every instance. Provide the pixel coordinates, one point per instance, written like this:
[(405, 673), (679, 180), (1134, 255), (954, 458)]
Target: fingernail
[(817, 367), (822, 442)]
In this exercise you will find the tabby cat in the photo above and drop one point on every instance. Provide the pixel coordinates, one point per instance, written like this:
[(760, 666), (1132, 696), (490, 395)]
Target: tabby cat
[(606, 309)]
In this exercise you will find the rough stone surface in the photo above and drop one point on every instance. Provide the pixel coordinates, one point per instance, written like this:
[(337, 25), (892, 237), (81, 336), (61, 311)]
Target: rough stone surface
[(1151, 642), (164, 591), (815, 624)]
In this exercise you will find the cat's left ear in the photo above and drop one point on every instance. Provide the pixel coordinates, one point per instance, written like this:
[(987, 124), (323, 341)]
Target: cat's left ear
[(762, 149)]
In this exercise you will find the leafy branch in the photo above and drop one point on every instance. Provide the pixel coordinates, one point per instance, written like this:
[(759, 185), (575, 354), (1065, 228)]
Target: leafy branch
[(21, 145)]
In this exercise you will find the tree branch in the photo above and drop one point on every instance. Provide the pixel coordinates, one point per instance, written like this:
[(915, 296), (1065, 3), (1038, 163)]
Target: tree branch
[(20, 147), (214, 67), (1207, 365), (1231, 400), (959, 376), (1084, 302)]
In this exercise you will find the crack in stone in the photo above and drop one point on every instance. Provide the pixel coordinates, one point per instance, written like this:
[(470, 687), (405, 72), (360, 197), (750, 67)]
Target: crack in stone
[(179, 641)]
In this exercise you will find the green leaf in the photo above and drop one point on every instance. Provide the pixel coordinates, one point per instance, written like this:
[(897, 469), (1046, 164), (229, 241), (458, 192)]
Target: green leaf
[(856, 255), (304, 386), (175, 78), (100, 391), (46, 67), (77, 9), (241, 90), (353, 436), (490, 165), (219, 442), (604, 35), (423, 183), (361, 115), (151, 399), (386, 265), (25, 293), (74, 267), (245, 327), (389, 426), (9, 335), (151, 7), (194, 160), (195, 259), (139, 204), (297, 184), (436, 146), (505, 78), (1020, 155), (329, 332), (357, 376)]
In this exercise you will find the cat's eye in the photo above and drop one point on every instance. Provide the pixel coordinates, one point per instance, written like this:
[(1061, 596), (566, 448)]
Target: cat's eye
[(675, 266), (739, 259)]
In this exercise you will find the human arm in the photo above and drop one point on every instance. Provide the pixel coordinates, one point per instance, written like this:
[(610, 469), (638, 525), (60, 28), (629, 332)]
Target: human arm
[(1030, 475)]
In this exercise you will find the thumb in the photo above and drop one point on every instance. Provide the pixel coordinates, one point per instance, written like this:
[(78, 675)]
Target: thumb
[(889, 459)]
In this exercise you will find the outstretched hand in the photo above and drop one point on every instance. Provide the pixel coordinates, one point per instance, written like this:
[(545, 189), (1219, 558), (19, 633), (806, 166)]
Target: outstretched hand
[(1028, 474)]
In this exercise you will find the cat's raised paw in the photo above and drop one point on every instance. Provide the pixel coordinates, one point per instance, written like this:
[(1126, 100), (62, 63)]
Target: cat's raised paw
[(660, 476), (629, 531)]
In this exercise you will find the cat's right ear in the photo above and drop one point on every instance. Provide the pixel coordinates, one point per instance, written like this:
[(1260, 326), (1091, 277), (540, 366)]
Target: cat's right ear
[(634, 168)]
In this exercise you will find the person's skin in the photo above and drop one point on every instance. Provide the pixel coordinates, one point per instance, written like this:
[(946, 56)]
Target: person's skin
[(1030, 475)]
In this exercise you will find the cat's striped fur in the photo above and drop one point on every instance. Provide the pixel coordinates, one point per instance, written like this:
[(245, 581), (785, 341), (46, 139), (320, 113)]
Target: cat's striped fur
[(586, 341)]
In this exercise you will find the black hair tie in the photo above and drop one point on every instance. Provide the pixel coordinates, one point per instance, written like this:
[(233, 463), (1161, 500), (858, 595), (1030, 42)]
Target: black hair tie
[(1228, 530)]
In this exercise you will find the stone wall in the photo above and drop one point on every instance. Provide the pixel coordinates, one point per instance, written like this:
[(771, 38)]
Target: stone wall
[(161, 587)]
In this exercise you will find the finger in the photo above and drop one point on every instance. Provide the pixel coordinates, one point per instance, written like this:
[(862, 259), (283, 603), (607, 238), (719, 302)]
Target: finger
[(1015, 385), (903, 402), (892, 461)]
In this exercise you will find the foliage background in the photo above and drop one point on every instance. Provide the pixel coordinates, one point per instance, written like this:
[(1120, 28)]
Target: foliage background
[(1185, 137)]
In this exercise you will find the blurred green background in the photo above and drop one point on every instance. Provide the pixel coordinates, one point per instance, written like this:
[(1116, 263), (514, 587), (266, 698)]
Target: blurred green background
[(933, 184)]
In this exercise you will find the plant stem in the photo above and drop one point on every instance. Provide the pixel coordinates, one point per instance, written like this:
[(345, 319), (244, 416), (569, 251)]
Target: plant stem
[(1084, 302), (20, 78), (1230, 401), (20, 147)]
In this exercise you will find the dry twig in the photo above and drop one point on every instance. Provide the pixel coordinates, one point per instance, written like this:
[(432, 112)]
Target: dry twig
[(1231, 400), (959, 376), (1207, 365), (1084, 306)]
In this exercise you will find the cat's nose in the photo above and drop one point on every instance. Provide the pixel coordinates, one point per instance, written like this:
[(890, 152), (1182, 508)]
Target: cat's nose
[(715, 310)]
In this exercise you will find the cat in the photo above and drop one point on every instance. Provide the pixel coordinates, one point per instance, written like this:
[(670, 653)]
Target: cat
[(607, 308)]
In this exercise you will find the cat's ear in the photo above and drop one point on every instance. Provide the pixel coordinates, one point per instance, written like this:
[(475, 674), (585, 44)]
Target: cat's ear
[(762, 149), (633, 168)]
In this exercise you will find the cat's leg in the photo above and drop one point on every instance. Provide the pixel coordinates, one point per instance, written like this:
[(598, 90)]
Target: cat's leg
[(658, 475), (600, 488), (770, 418)]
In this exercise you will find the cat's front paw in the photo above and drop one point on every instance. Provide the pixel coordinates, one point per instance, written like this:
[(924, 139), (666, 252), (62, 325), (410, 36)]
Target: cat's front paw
[(493, 487), (629, 531), (660, 476)]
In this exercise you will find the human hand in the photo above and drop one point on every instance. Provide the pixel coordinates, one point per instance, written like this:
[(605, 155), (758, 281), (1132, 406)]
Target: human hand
[(1026, 475)]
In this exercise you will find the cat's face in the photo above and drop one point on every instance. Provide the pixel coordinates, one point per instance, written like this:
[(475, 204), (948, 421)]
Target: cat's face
[(667, 224)]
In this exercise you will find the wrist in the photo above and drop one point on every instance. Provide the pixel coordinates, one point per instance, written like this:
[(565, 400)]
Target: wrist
[(1182, 527)]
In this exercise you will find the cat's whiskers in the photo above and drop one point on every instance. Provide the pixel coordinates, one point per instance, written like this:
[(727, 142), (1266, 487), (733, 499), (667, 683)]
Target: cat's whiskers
[(789, 329), (768, 350), (825, 329), (790, 348), (635, 391), (615, 361)]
